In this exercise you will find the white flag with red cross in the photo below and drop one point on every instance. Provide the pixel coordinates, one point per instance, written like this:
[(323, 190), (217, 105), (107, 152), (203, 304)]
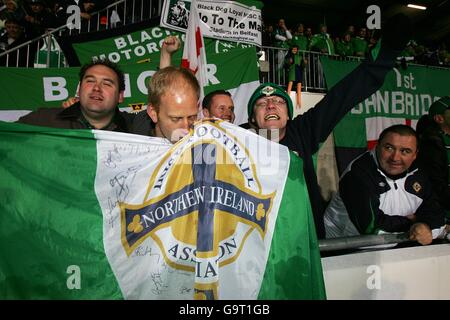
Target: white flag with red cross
[(194, 57)]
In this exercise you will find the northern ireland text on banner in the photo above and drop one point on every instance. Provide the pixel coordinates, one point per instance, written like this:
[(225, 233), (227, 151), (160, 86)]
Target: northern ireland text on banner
[(107, 215)]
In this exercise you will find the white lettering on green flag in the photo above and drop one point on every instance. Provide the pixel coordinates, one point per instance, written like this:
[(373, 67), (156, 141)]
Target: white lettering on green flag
[(141, 46), (405, 95), (235, 71)]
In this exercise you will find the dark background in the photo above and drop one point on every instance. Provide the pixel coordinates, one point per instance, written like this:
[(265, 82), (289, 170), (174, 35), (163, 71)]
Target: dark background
[(431, 26)]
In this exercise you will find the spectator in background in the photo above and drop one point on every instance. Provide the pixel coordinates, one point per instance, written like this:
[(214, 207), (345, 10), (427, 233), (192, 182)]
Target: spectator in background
[(382, 191), (219, 104), (299, 39), (309, 35), (351, 31), (431, 56), (345, 47), (336, 39), (268, 36), (59, 11), (282, 37), (409, 54), (13, 11), (443, 55), (90, 6), (434, 157), (373, 39), (360, 45), (15, 36), (420, 54), (87, 8), (39, 18), (2, 21), (322, 41)]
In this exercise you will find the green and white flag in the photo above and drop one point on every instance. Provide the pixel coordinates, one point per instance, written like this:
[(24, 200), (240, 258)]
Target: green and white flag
[(404, 97), (105, 215), (235, 71), (138, 46)]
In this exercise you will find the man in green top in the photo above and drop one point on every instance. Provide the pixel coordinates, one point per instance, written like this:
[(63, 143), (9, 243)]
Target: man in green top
[(282, 36), (322, 41), (344, 47), (299, 38), (360, 45)]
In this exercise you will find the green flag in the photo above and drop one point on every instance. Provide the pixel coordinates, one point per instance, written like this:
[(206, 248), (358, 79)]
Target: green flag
[(106, 215), (405, 96), (235, 71)]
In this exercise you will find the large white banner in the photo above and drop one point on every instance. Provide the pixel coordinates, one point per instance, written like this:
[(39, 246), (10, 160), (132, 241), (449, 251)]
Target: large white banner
[(194, 219), (224, 20)]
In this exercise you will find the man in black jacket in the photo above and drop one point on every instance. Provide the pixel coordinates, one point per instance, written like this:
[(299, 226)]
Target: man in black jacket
[(102, 86), (434, 158), (382, 191), (270, 108), (13, 37)]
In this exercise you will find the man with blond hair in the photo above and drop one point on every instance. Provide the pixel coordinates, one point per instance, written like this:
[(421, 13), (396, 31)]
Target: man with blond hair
[(173, 97)]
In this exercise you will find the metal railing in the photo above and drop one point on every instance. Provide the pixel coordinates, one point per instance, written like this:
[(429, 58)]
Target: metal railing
[(271, 61), (362, 241), (120, 13), (28, 54), (42, 51)]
